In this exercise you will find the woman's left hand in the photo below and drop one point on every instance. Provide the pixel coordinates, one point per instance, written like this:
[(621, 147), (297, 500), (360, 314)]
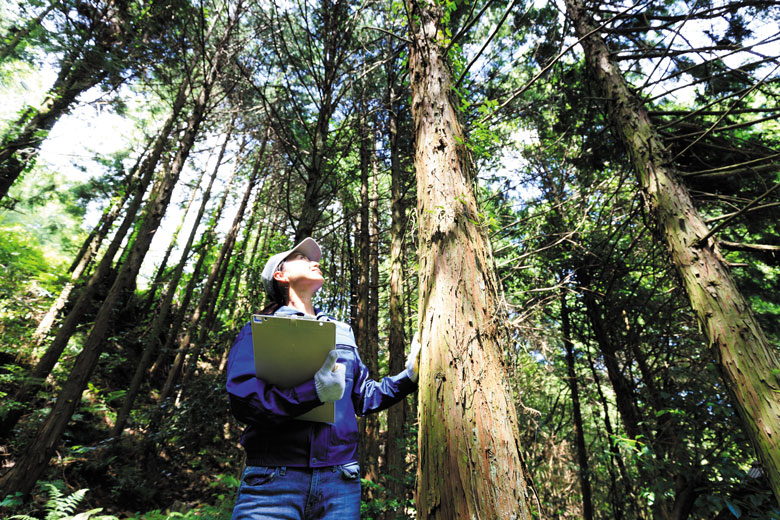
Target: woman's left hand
[(413, 361)]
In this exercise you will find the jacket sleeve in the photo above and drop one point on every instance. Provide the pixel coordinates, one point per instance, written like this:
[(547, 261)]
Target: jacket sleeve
[(369, 396), (252, 400)]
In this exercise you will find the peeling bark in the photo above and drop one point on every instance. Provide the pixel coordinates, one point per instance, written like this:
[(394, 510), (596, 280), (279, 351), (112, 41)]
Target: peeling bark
[(469, 455)]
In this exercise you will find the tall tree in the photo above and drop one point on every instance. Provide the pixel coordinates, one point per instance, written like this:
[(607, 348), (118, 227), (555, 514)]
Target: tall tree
[(67, 328), (582, 454), (747, 361), (23, 476), (311, 47), (395, 456), (161, 316), (109, 37), (468, 423)]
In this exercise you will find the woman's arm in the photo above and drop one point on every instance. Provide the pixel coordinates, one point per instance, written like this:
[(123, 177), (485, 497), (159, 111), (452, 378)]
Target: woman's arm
[(252, 400), (369, 396)]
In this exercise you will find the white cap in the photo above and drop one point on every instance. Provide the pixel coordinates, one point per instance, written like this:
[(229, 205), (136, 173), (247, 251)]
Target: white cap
[(308, 247)]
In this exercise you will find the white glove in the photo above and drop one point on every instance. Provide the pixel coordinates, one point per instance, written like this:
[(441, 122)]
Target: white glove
[(413, 361), (329, 380)]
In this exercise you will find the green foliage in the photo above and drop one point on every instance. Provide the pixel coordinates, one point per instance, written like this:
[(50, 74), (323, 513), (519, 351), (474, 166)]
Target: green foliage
[(556, 197), (62, 507), (381, 504), (223, 489)]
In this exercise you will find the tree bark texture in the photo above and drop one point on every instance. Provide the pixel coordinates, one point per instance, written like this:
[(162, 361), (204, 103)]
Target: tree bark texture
[(469, 455), (748, 363)]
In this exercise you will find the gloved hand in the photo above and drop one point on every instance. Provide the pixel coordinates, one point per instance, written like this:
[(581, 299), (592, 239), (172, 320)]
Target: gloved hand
[(413, 361), (329, 380)]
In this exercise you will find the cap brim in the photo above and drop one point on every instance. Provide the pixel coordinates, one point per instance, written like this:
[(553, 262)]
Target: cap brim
[(307, 246)]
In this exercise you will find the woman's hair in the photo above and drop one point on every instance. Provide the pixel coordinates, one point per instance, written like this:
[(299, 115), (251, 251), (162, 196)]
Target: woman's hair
[(280, 294)]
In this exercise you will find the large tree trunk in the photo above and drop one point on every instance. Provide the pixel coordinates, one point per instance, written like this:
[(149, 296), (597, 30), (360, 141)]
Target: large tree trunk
[(470, 464), (748, 363), (23, 476)]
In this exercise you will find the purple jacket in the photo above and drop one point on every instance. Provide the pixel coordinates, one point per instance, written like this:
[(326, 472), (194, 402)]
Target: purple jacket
[(273, 438)]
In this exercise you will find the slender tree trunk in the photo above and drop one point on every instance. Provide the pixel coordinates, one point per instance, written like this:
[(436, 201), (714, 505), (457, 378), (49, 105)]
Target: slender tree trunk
[(615, 456), (747, 362), (395, 455), (89, 249), (152, 337), (367, 444), (22, 33), (354, 275), (20, 147), (316, 171), (47, 362), (229, 258), (205, 244), (255, 293), (239, 288), (469, 454), (373, 425), (23, 476), (367, 343), (624, 391), (235, 288), (207, 299), (582, 454), (157, 281)]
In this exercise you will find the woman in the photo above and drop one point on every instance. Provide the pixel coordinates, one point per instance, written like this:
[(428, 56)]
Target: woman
[(298, 469)]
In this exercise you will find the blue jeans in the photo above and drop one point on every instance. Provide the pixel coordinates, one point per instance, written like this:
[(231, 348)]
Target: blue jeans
[(299, 493)]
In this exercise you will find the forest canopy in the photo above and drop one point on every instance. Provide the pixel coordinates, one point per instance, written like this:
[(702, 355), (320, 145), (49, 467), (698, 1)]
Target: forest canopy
[(575, 205)]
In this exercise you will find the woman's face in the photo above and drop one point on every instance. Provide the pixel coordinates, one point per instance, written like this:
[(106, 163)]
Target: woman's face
[(301, 274)]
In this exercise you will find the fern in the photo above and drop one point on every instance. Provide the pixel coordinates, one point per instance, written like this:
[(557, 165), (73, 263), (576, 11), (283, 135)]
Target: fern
[(61, 507)]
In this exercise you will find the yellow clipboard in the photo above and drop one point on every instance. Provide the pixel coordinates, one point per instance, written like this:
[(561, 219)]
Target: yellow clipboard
[(289, 351)]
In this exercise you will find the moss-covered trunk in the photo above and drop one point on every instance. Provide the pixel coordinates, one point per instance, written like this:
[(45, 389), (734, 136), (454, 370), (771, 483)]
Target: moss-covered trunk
[(469, 457), (747, 361)]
